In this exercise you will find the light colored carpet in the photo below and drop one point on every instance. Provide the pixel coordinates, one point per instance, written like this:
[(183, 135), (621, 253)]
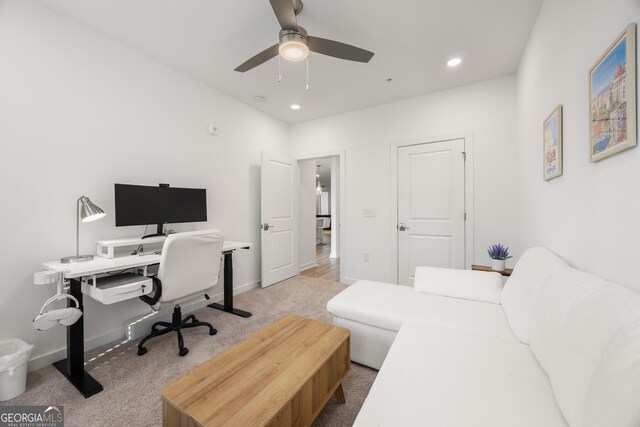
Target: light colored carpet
[(131, 395)]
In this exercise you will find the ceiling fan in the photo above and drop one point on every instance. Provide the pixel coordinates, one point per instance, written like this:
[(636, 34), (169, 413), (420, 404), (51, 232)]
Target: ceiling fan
[(295, 43)]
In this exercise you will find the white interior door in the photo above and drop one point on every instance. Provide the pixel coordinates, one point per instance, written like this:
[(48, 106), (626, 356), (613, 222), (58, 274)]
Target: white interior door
[(278, 214), (431, 212)]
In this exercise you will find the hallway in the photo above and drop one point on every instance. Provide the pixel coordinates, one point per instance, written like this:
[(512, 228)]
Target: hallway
[(327, 268)]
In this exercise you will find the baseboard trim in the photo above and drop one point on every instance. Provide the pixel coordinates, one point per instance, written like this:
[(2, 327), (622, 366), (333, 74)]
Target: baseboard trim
[(308, 265), (349, 281), (135, 331)]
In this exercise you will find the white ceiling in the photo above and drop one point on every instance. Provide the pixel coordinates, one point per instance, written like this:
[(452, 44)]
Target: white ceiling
[(412, 40)]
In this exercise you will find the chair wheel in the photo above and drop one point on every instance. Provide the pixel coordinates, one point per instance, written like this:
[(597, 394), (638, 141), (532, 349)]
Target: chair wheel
[(183, 352), (142, 351), (213, 331)]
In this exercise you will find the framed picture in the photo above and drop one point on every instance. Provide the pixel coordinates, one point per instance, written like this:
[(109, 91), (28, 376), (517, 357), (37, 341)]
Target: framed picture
[(552, 144), (612, 98)]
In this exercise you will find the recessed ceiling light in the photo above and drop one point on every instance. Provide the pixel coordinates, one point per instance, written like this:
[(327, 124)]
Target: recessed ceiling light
[(454, 62), (259, 98), (295, 107)]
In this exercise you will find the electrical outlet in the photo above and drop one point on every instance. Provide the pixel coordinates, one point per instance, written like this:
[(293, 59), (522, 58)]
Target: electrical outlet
[(365, 257)]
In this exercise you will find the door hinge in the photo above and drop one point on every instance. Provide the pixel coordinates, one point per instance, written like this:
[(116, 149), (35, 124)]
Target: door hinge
[(465, 216), (464, 155)]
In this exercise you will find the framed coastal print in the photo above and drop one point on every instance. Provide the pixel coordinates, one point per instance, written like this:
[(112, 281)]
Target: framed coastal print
[(612, 98), (552, 144)]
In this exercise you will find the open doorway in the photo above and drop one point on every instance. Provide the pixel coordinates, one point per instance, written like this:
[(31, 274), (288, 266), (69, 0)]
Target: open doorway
[(318, 219)]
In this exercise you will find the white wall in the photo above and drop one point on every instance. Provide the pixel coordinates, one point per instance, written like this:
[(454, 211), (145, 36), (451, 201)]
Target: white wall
[(307, 214), (487, 109), (590, 215), (78, 113), (335, 207)]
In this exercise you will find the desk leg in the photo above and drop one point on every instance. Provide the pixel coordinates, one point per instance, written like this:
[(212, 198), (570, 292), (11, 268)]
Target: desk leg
[(228, 289), (73, 366)]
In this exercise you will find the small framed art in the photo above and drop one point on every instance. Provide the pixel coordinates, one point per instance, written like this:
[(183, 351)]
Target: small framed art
[(552, 144), (612, 98)]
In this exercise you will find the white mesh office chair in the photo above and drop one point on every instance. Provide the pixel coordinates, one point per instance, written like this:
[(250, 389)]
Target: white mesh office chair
[(189, 266)]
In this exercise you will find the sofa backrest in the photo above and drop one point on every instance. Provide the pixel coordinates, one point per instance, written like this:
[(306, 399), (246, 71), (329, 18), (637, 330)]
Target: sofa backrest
[(520, 291), (612, 398), (575, 318)]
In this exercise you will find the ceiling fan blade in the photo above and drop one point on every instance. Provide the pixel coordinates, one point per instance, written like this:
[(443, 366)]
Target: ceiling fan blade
[(338, 50), (285, 13), (261, 58)]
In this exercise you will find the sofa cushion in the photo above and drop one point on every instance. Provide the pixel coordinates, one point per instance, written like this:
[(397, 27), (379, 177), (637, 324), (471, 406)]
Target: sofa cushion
[(388, 306), (484, 286), (575, 316), (612, 399), (520, 291), (441, 376)]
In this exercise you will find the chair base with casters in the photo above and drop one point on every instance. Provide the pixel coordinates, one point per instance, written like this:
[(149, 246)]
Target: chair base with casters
[(176, 325)]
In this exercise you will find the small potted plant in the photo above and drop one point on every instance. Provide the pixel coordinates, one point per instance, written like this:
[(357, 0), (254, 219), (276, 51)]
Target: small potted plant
[(499, 255)]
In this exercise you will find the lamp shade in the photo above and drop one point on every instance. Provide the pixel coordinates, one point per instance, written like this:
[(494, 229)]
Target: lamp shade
[(89, 211)]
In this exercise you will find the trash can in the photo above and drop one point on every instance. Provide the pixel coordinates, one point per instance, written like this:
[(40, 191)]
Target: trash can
[(14, 355)]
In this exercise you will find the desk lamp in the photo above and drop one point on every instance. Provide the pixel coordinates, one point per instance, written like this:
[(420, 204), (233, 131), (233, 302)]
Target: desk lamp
[(86, 212)]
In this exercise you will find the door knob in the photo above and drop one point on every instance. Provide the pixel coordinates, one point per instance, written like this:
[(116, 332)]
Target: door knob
[(266, 226), (402, 226)]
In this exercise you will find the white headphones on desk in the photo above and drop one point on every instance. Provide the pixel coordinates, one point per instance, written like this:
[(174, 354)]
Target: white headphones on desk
[(60, 316)]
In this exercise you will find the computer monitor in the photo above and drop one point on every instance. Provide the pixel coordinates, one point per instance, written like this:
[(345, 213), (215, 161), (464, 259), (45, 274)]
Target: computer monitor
[(145, 205)]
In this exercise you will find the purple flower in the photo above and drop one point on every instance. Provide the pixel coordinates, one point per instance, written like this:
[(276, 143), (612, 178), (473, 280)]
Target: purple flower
[(498, 251)]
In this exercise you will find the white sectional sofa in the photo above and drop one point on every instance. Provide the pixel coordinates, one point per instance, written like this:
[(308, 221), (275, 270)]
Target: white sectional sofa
[(556, 347)]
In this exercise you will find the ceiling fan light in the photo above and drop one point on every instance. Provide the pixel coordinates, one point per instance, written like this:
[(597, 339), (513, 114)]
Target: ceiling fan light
[(293, 50)]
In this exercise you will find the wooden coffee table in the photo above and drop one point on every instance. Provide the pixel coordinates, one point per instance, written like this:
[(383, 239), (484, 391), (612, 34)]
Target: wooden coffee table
[(281, 376)]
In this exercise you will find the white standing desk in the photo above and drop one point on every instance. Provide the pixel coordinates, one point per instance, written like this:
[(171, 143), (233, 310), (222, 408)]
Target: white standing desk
[(73, 366), (104, 265)]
